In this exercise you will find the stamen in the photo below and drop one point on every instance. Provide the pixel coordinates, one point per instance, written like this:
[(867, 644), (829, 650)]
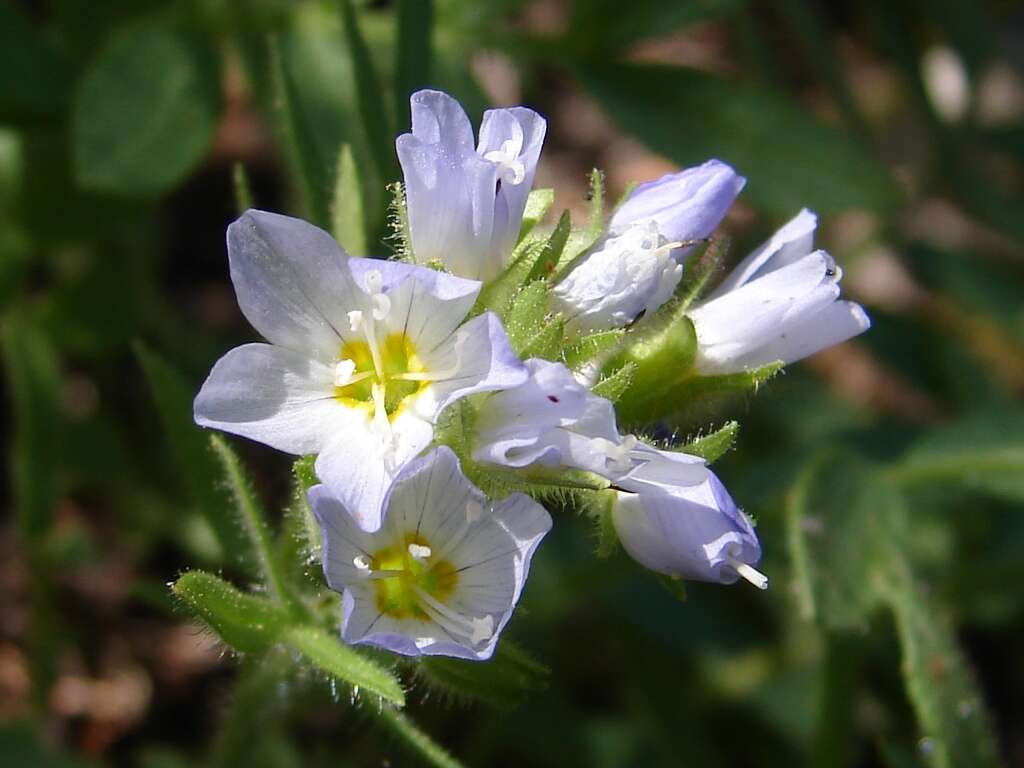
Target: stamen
[(381, 305), (362, 562), (439, 374), (355, 320), (749, 573), (380, 414), (477, 629), (419, 553), (507, 158), (374, 281)]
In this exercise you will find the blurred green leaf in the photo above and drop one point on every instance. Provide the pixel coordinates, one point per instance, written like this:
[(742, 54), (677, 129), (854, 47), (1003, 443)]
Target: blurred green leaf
[(34, 79), (955, 727), (348, 218), (33, 377), (983, 452), (547, 341), (504, 681), (791, 159), (196, 464), (242, 188), (342, 662), (245, 622), (146, 110), (415, 21), (310, 168), (592, 347), (615, 384), (841, 519), (545, 265), (590, 26), (372, 106)]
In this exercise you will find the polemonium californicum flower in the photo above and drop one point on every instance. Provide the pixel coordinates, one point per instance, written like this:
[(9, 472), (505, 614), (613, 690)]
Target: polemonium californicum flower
[(780, 304), (638, 266), (445, 570), (691, 531), (553, 420), (466, 204), (363, 356)]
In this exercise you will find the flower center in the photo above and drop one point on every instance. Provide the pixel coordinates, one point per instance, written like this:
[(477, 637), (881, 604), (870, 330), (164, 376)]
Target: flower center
[(357, 375), (402, 572), (511, 169)]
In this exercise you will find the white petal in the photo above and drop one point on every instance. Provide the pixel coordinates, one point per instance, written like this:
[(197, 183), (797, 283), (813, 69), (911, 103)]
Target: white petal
[(792, 241), (292, 282), (275, 396), (833, 325)]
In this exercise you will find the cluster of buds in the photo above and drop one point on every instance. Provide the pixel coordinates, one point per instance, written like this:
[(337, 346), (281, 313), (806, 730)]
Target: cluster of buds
[(486, 356)]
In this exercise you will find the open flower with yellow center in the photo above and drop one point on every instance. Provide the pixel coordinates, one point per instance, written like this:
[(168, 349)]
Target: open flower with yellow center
[(363, 356), (444, 571)]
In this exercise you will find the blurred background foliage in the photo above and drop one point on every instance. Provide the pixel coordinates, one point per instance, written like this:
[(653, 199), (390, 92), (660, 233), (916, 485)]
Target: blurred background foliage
[(887, 475)]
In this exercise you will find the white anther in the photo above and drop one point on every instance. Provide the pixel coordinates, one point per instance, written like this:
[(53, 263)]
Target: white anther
[(749, 573), (483, 629), (343, 372), (618, 455), (419, 552), (381, 305), (510, 167), (362, 562), (355, 320)]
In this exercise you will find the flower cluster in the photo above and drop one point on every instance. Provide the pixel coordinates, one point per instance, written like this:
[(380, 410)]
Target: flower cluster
[(487, 356)]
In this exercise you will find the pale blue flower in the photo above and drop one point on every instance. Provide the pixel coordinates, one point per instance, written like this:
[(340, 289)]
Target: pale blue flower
[(781, 303), (637, 267), (363, 356), (692, 531), (445, 570), (466, 204)]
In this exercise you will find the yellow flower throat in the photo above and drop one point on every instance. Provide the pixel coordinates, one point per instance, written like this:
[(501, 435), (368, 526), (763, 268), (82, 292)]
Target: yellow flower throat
[(396, 595), (397, 358)]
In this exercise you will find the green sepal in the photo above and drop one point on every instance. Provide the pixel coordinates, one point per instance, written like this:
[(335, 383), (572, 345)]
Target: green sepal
[(546, 264), (592, 347), (548, 341), (699, 269), (656, 352), (526, 314), (538, 204), (348, 220), (599, 507), (245, 622), (399, 235), (505, 681), (497, 295), (674, 585), (242, 188), (615, 384), (713, 446)]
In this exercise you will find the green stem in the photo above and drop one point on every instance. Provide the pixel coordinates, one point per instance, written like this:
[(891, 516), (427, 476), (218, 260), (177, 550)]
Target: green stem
[(833, 739), (255, 526)]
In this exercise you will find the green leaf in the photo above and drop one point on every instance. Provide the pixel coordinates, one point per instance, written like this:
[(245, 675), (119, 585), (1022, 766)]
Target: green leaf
[(983, 452), (612, 386), (583, 239), (146, 110), (590, 27), (841, 520), (700, 266), (544, 267), (415, 22), (713, 446), (505, 681), (372, 109), (939, 682), (786, 153), (416, 741), (33, 379), (348, 221), (195, 463), (592, 347), (337, 659), (34, 79), (497, 295), (298, 139), (245, 622), (251, 517), (538, 204)]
